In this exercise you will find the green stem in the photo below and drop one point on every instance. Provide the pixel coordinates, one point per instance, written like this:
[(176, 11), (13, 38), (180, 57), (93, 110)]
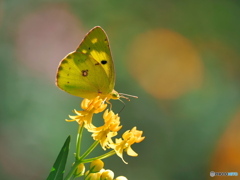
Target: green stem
[(90, 149), (78, 142), (80, 160), (72, 170), (106, 155)]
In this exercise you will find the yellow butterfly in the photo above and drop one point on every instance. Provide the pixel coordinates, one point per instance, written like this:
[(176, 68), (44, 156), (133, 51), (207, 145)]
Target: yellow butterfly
[(89, 71)]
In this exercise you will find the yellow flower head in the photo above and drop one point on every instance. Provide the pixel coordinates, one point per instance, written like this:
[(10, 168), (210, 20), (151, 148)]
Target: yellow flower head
[(124, 144), (110, 128), (95, 105), (89, 106)]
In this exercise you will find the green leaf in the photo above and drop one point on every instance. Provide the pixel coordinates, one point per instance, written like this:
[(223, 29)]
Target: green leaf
[(58, 168)]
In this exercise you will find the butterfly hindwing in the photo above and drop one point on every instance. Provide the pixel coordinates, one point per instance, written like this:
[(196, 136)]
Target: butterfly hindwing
[(79, 75)]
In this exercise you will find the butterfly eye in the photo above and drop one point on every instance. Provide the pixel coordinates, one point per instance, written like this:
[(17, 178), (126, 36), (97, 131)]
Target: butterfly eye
[(115, 95)]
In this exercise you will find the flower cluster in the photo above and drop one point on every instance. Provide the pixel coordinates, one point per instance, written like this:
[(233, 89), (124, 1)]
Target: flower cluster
[(106, 132), (102, 135)]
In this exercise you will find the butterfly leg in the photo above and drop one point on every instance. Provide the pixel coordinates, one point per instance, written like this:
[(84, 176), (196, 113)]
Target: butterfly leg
[(110, 104)]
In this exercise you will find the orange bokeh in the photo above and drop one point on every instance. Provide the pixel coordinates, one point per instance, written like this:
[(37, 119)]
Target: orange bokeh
[(165, 63), (227, 154)]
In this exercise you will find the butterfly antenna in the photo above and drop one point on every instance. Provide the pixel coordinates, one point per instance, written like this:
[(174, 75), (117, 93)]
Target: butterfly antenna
[(123, 105), (122, 95)]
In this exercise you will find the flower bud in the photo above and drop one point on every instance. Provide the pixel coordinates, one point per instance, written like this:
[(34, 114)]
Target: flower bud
[(107, 175), (86, 173), (121, 178), (93, 176), (96, 165), (80, 170)]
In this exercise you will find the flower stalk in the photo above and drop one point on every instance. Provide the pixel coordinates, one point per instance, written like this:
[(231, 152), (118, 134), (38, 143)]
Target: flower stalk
[(78, 142)]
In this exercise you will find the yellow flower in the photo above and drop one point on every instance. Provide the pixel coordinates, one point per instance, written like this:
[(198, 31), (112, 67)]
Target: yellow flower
[(124, 144), (89, 106), (110, 128)]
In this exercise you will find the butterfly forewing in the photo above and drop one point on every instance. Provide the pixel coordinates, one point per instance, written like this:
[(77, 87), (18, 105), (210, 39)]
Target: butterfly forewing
[(96, 45)]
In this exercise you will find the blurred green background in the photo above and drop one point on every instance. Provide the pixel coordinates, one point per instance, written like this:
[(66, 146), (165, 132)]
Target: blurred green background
[(180, 57)]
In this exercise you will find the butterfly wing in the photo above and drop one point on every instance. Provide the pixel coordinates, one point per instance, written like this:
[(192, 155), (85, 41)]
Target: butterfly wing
[(79, 75), (89, 71), (96, 45)]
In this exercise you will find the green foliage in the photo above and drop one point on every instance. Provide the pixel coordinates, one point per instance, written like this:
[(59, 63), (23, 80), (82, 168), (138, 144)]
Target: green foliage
[(58, 168)]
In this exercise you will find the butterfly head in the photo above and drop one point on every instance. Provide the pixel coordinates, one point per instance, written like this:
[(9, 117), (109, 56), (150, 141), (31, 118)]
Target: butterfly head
[(115, 95)]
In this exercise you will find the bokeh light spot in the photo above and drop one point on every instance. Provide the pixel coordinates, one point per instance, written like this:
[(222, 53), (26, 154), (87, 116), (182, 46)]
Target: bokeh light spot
[(165, 63), (227, 154), (45, 36)]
